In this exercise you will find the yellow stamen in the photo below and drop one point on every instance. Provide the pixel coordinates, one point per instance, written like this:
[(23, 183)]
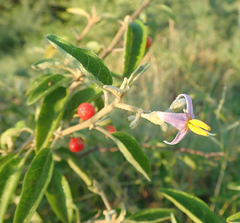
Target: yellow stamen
[(197, 130), (199, 123)]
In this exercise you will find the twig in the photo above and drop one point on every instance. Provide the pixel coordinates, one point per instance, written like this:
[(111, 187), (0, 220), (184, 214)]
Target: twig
[(199, 153), (25, 144), (89, 151), (128, 107), (92, 120)]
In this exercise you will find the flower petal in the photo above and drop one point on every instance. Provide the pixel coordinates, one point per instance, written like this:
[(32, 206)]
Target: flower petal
[(181, 134), (189, 107), (177, 120)]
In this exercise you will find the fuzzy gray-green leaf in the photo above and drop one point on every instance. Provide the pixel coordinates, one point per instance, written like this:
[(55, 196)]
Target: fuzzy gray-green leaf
[(192, 206), (46, 86), (133, 153), (9, 177), (150, 215), (34, 186), (50, 115), (84, 59), (135, 45), (59, 196)]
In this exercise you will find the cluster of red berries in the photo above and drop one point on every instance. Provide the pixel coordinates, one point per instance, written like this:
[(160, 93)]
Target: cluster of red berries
[(85, 111)]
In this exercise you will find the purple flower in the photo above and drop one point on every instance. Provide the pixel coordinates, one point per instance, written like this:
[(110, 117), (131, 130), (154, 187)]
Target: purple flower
[(184, 122)]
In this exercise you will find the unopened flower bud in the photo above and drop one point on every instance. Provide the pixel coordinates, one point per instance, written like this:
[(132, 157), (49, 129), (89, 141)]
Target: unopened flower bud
[(177, 105), (134, 123), (131, 118)]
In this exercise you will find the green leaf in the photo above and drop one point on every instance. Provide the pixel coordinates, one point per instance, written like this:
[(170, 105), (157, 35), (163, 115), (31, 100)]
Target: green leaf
[(50, 115), (59, 197), (99, 102), (133, 153), (168, 11), (5, 159), (135, 45), (150, 215), (138, 73), (192, 206), (36, 218), (9, 177), (188, 161), (9, 133), (37, 81), (35, 184), (234, 218), (46, 86), (85, 95), (73, 162), (84, 59), (234, 186), (173, 219), (79, 11), (47, 63)]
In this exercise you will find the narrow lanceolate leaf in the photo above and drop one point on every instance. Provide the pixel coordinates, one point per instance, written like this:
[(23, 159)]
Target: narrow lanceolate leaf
[(37, 81), (84, 59), (150, 215), (79, 11), (50, 115), (5, 159), (173, 219), (234, 186), (85, 95), (135, 45), (9, 177), (35, 184), (168, 11), (59, 197), (47, 63), (9, 134), (133, 153), (192, 206), (46, 86), (234, 218), (73, 162), (138, 73)]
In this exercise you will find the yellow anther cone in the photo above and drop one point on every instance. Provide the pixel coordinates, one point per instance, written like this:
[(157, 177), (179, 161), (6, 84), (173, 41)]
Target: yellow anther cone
[(199, 123), (197, 130)]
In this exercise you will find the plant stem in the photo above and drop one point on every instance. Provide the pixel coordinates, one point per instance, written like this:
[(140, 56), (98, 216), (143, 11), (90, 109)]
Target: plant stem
[(92, 120), (106, 99), (128, 107), (25, 144)]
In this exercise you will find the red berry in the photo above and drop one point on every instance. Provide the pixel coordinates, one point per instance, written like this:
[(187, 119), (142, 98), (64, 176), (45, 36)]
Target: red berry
[(149, 42), (76, 145), (110, 128), (85, 111)]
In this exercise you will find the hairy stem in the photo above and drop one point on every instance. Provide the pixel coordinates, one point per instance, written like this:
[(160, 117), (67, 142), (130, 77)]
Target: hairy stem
[(92, 120), (128, 107)]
